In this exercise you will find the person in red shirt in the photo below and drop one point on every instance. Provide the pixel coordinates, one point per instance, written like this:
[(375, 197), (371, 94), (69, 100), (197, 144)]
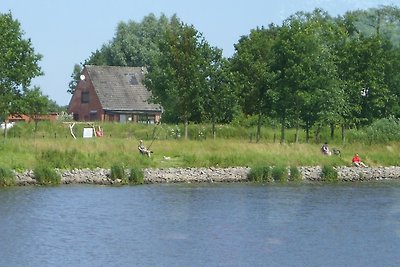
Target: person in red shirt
[(357, 161)]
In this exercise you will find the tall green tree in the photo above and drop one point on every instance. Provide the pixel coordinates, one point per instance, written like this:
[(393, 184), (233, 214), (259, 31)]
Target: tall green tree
[(75, 78), (18, 64), (35, 104), (220, 96), (252, 65), (178, 77), (306, 72), (322, 88), (363, 63), (134, 44)]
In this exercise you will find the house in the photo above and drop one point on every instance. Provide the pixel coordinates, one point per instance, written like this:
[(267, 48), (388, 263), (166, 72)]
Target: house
[(110, 93)]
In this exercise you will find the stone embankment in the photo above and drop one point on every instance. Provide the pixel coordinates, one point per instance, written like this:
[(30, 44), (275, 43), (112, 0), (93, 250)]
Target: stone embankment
[(199, 175)]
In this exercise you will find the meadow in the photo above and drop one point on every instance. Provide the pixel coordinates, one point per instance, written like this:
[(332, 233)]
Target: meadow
[(52, 144)]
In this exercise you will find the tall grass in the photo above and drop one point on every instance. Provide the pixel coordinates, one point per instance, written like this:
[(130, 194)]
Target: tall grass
[(294, 174), (280, 174), (118, 172), (260, 174), (329, 174), (7, 177), (136, 176), (51, 145), (44, 175)]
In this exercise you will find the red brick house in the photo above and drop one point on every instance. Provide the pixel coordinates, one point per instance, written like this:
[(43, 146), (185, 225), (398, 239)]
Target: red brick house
[(110, 93)]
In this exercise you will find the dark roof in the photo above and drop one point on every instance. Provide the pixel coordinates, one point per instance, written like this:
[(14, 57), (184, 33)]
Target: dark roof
[(121, 88)]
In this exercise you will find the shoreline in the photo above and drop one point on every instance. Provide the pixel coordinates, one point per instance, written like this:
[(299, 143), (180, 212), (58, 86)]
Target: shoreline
[(101, 176)]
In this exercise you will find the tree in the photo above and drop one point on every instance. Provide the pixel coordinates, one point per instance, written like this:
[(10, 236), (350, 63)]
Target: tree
[(220, 97), (252, 64), (322, 90), (365, 62), (35, 104), (178, 76), (75, 78), (135, 44), (18, 64)]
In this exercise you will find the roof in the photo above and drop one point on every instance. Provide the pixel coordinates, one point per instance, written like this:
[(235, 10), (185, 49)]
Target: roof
[(121, 88)]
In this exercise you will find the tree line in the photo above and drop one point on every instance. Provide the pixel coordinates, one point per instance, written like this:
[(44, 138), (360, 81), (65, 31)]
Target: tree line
[(312, 71)]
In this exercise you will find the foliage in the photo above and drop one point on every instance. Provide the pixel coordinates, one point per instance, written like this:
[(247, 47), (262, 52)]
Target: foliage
[(136, 176), (35, 104), (76, 73), (7, 177), (305, 74), (383, 131), (45, 175), (135, 44), (329, 173), (117, 172), (279, 173), (260, 174), (186, 77), (295, 174), (70, 158), (18, 64)]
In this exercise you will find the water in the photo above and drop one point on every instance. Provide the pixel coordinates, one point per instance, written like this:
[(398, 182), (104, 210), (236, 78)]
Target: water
[(201, 225)]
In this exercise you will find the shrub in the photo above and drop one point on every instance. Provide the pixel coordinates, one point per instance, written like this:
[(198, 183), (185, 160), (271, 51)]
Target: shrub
[(117, 172), (260, 174), (45, 175), (329, 174), (383, 130), (7, 177), (295, 174), (279, 173), (136, 176)]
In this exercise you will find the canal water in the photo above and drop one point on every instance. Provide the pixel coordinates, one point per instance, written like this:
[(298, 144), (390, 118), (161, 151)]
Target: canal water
[(352, 224)]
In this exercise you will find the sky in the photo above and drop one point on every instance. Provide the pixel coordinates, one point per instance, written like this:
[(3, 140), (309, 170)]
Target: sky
[(66, 32)]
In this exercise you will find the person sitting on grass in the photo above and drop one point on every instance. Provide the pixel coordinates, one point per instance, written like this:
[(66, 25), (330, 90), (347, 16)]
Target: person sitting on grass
[(357, 161), (325, 149), (143, 150)]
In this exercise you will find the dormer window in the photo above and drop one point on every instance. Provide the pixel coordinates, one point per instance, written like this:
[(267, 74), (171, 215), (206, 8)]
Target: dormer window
[(133, 80)]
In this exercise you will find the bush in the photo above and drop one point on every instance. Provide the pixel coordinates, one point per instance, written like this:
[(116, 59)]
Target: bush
[(136, 176), (383, 131), (45, 175), (329, 174), (279, 173), (294, 174), (260, 174), (117, 172), (7, 177)]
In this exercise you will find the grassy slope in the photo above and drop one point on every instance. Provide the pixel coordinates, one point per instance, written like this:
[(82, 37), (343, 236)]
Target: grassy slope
[(104, 152), (52, 145)]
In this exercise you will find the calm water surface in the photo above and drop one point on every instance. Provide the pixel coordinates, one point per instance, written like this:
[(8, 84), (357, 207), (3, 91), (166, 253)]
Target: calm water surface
[(201, 225)]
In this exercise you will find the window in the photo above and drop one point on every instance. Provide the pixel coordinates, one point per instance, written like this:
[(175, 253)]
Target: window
[(93, 115), (85, 97)]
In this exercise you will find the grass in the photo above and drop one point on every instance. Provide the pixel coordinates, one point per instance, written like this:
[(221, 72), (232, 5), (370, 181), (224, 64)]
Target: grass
[(25, 149), (45, 175), (7, 177)]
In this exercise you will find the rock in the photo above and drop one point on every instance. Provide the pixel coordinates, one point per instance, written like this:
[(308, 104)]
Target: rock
[(208, 175)]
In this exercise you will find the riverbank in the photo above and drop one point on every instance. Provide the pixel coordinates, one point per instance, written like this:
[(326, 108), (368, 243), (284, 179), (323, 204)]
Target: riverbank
[(208, 175)]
